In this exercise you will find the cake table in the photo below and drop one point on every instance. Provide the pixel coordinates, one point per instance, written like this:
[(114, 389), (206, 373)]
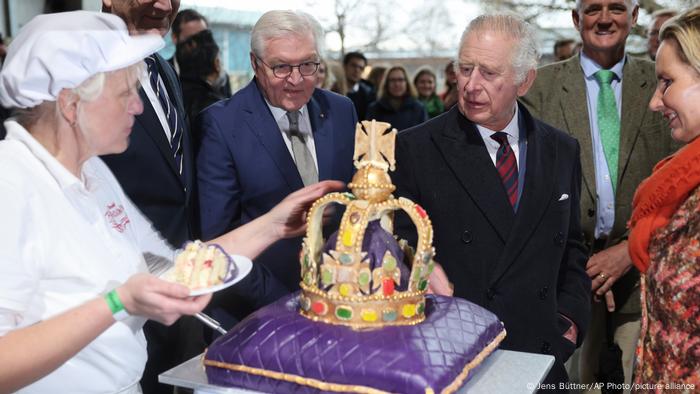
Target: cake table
[(504, 371)]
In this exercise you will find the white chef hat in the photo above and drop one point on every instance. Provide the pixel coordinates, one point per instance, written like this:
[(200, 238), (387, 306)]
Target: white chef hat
[(62, 50)]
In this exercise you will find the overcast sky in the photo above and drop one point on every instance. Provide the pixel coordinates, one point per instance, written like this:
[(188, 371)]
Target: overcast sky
[(461, 12), (324, 9)]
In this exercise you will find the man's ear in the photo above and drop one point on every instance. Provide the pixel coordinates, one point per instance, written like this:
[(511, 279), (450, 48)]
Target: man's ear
[(253, 63), (107, 6), (68, 106), (635, 14), (527, 83), (575, 18)]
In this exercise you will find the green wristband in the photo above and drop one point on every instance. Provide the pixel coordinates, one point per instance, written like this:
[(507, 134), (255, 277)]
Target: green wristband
[(116, 306)]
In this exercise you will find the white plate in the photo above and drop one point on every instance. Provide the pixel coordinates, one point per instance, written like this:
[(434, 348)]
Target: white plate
[(238, 270)]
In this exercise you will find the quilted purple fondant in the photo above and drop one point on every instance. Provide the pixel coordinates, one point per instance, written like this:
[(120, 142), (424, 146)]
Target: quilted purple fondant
[(289, 349)]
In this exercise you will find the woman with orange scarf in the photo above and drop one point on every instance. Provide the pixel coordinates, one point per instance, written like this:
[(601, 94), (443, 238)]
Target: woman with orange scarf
[(664, 240)]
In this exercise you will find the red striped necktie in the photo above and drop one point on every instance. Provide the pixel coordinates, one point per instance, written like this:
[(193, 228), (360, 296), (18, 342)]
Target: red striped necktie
[(507, 166)]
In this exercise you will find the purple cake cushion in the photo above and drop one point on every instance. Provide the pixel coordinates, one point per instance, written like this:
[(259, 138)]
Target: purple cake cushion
[(376, 242), (278, 350)]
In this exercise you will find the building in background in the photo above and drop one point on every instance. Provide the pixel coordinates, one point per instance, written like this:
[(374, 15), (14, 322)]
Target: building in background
[(231, 29)]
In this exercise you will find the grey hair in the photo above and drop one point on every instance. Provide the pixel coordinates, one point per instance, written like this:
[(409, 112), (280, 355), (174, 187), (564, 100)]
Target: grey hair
[(526, 54), (91, 88), (664, 12), (281, 23), (88, 90), (630, 3), (28, 117)]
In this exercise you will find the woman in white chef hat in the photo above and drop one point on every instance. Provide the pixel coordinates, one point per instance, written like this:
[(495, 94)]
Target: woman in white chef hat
[(73, 287)]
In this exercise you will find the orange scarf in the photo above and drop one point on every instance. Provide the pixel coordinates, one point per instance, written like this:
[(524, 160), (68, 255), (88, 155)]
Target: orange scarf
[(658, 197)]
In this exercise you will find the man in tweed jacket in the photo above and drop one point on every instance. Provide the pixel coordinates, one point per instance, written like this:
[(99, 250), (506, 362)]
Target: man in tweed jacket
[(565, 96)]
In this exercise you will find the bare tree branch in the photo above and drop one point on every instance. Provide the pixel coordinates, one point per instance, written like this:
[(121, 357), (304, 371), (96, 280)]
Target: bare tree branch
[(380, 25)]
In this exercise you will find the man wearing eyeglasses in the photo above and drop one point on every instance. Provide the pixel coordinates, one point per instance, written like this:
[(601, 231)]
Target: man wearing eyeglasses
[(272, 137)]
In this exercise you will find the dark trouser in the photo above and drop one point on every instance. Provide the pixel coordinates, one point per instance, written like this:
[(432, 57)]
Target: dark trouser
[(169, 347)]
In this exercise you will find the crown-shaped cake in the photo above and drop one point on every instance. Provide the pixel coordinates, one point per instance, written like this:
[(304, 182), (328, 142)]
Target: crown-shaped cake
[(358, 278), (358, 283)]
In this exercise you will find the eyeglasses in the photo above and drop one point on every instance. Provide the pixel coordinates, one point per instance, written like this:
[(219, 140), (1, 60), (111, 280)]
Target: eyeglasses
[(306, 69)]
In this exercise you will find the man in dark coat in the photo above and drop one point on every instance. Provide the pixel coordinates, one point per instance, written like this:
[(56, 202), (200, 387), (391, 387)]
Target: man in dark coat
[(502, 191), (361, 92), (566, 95)]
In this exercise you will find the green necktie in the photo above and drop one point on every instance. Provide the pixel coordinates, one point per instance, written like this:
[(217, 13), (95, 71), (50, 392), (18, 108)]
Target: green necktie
[(608, 123)]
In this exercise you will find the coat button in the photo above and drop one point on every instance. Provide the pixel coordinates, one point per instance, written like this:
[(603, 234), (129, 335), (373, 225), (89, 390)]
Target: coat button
[(467, 237), (559, 238), (543, 293), (546, 347), (590, 212), (490, 293)]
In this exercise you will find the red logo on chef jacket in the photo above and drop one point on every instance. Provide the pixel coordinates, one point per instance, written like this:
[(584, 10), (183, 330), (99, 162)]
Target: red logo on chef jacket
[(116, 215)]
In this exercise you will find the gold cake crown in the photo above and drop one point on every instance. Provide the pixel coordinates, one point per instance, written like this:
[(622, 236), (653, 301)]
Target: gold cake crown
[(339, 286)]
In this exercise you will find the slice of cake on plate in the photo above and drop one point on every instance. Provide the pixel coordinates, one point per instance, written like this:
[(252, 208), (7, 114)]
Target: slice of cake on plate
[(200, 266)]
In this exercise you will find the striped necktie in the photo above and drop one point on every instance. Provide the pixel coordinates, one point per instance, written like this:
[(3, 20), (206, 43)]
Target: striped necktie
[(507, 166), (608, 123), (174, 122)]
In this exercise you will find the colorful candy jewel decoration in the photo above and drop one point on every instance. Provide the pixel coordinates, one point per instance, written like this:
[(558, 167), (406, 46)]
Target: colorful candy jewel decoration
[(344, 284)]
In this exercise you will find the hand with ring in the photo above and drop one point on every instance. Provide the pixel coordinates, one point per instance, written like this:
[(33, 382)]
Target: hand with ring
[(605, 268)]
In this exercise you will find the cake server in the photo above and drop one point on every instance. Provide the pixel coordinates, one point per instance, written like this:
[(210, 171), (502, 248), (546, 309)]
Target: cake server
[(157, 265), (209, 321)]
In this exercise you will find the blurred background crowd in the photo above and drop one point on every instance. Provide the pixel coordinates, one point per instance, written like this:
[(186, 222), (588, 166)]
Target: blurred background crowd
[(364, 39)]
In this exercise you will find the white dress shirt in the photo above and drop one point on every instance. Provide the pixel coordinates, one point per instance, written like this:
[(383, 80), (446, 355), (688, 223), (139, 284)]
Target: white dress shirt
[(513, 137)]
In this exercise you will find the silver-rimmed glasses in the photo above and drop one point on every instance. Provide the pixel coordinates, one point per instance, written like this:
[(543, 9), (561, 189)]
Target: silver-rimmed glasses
[(306, 69)]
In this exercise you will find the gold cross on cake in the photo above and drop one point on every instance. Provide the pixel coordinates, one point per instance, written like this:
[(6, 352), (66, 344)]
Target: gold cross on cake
[(374, 145)]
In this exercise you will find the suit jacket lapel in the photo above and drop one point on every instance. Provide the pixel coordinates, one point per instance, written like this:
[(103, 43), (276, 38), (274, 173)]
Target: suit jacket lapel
[(263, 125), (633, 109), (537, 191), (151, 124), (323, 137), (574, 106), (172, 85), (464, 151)]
